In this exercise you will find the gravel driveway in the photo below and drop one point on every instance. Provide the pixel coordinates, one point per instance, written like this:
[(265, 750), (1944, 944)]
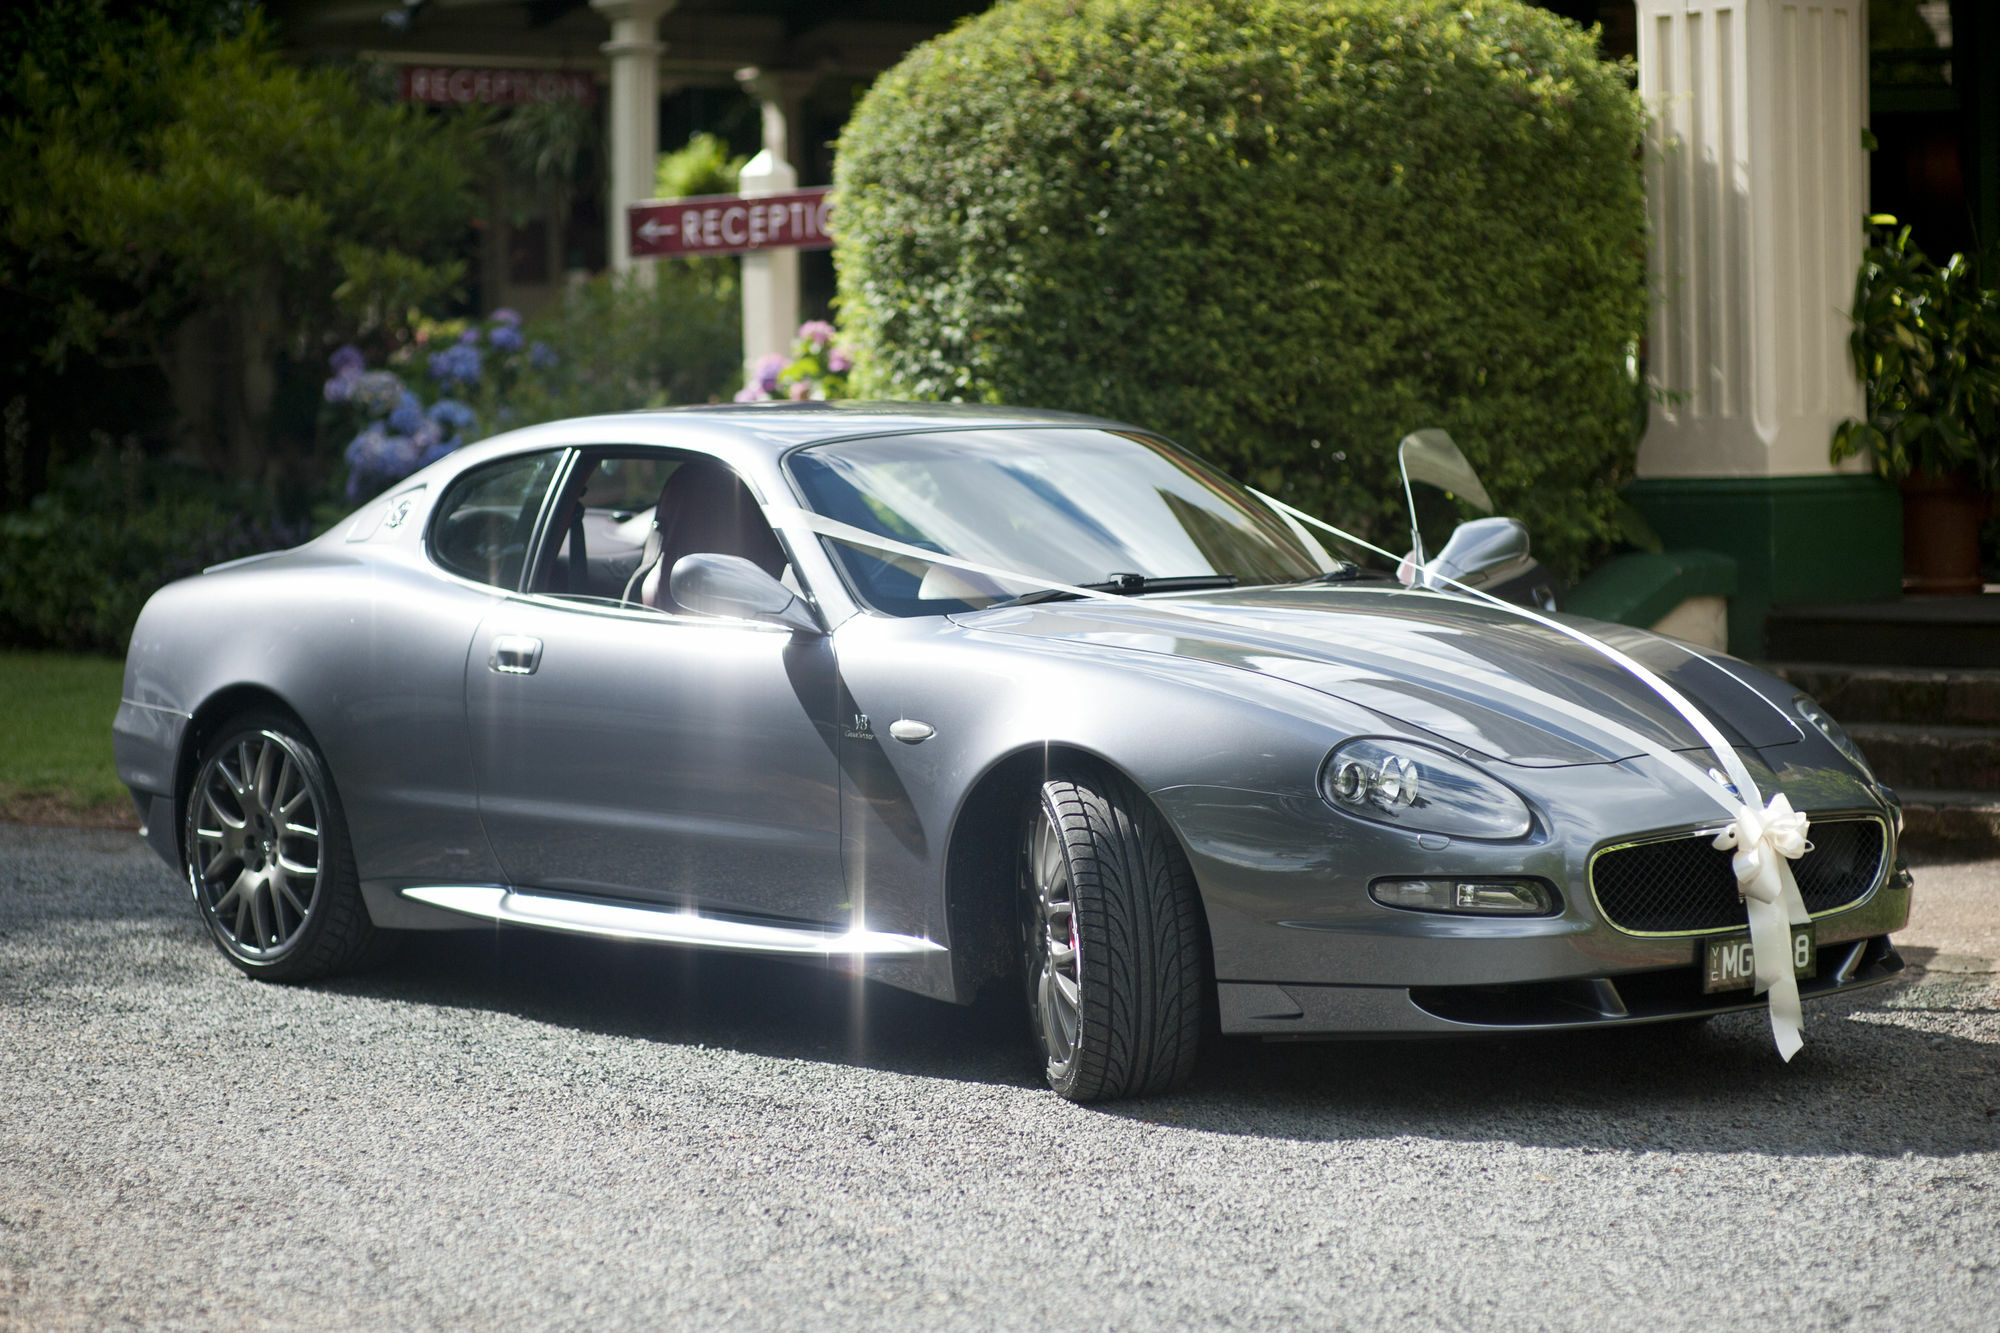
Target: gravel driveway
[(524, 1130)]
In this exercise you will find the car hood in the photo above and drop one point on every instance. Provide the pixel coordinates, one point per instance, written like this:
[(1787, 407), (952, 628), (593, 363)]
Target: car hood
[(1469, 673)]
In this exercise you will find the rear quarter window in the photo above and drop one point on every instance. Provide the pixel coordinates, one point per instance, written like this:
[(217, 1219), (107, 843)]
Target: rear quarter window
[(484, 523)]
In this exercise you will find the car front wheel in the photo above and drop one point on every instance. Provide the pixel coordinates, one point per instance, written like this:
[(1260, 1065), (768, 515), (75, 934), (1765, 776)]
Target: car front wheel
[(268, 859), (1112, 938)]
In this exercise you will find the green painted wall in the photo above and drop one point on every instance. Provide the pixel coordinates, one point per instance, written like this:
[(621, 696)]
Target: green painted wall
[(1794, 539)]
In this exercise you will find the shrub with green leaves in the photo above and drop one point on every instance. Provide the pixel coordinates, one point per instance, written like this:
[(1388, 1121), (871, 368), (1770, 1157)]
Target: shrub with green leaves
[(1926, 346), (78, 563), (1285, 232), (622, 343)]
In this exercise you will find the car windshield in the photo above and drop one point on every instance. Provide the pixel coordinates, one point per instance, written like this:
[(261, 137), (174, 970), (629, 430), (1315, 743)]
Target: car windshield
[(1070, 505)]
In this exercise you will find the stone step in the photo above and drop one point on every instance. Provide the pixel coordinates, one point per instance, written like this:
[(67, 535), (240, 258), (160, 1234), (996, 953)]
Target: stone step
[(1931, 757), (1957, 822), (1923, 696), (1908, 631)]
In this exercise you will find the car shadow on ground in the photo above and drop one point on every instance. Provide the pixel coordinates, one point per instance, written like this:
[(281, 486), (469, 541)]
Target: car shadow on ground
[(1716, 1086)]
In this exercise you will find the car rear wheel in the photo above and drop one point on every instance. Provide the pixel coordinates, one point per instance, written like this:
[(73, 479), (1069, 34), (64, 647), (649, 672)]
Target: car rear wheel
[(1112, 938), (268, 859)]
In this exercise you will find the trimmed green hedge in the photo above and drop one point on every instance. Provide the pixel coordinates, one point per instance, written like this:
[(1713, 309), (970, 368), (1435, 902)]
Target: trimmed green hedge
[(1283, 232)]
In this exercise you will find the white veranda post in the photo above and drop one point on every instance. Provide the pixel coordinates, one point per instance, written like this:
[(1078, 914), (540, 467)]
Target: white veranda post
[(634, 115), (771, 277), (1756, 184)]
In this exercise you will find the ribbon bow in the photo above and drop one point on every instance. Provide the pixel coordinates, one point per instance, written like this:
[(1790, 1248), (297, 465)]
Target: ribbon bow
[(1765, 843)]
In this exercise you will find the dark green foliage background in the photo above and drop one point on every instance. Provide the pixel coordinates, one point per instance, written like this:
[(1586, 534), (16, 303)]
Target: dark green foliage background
[(78, 563), (1279, 231)]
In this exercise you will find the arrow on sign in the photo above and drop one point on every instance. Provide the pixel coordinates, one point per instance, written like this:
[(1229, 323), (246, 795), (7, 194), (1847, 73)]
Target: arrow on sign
[(653, 229)]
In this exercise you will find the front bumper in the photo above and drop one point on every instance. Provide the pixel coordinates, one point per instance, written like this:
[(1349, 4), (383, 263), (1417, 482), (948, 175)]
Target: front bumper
[(1656, 996)]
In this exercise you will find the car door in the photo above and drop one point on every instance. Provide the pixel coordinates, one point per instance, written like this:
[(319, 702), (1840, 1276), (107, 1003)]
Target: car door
[(653, 755)]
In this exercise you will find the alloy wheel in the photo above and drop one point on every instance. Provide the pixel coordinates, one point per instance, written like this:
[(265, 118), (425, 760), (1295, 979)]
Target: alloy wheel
[(255, 848), (1055, 955)]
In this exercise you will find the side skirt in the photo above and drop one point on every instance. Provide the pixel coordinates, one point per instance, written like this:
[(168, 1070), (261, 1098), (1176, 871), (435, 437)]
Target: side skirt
[(628, 921)]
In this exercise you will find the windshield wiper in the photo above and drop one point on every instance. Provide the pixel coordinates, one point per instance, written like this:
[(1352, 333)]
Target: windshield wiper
[(1131, 585), (1344, 572), (1128, 585)]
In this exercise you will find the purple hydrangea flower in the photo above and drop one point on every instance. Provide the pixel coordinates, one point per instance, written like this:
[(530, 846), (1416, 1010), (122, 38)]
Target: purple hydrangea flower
[(459, 364), (801, 390), (768, 370), (840, 361), (437, 451), (541, 355), (340, 388), (505, 337), (408, 416), (379, 391), (347, 360), (505, 315), (750, 393), (453, 415), (816, 333), (469, 337)]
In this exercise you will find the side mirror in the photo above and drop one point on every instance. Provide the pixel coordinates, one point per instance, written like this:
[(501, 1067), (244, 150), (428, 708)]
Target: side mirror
[(1486, 550), (729, 585)]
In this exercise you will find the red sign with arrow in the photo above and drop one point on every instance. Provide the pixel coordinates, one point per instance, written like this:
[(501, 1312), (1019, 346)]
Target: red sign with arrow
[(730, 224)]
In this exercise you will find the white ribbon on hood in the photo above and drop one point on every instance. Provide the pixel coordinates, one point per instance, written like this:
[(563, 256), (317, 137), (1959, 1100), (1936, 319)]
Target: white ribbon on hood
[(1765, 839)]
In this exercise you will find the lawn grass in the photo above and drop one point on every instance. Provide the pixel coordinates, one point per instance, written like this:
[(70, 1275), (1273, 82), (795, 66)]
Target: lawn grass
[(55, 739)]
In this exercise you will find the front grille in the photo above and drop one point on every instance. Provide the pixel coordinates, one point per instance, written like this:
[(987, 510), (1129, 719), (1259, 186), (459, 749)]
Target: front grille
[(1685, 884)]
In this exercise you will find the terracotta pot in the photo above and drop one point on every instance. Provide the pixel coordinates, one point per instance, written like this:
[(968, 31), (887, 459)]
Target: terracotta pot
[(1941, 517)]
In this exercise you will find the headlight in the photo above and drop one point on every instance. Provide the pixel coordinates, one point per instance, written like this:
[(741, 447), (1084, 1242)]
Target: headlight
[(1834, 732), (1416, 787)]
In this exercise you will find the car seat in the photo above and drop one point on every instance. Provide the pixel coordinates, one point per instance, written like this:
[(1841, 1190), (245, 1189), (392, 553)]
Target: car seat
[(705, 508)]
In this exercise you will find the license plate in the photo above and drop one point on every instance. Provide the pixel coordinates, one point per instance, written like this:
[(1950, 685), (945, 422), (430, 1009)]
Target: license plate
[(1729, 963)]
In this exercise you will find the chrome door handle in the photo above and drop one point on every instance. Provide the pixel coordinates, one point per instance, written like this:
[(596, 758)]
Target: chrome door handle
[(515, 655)]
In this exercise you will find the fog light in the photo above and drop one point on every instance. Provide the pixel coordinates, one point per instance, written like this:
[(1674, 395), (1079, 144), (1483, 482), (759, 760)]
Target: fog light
[(1466, 897)]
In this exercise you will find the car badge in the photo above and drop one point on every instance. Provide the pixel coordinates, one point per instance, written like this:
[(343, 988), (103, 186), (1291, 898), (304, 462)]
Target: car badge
[(1725, 783), (857, 730)]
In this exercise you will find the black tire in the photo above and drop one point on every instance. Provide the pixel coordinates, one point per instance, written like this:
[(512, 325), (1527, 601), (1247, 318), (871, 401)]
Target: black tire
[(1113, 940), (267, 857)]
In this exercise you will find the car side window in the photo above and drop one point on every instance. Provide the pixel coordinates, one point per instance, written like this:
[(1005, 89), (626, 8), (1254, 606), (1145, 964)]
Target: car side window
[(486, 520), (626, 518)]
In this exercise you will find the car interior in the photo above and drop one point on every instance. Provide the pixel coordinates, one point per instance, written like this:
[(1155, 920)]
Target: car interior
[(627, 519)]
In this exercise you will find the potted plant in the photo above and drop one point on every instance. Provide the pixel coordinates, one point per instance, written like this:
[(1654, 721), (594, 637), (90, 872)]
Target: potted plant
[(1926, 344)]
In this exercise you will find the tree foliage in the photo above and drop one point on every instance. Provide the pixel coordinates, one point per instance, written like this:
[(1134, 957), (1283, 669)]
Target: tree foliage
[(1285, 232), (169, 179)]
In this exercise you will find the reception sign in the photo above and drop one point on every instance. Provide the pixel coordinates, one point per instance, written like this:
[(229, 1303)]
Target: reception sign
[(457, 85), (730, 224)]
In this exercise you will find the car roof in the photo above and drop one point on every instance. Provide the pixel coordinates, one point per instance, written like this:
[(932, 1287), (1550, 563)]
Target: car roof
[(786, 425)]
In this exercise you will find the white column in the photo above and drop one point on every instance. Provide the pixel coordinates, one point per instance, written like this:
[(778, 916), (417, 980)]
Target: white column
[(1756, 184), (634, 113), (770, 277)]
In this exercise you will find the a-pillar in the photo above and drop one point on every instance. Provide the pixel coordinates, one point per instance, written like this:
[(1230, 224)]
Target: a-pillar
[(1756, 184), (771, 277), (634, 113)]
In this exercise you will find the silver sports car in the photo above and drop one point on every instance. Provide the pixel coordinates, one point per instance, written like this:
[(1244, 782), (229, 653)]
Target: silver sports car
[(956, 696)]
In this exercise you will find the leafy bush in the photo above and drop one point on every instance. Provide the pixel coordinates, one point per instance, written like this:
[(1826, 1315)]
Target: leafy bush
[(1285, 232), (622, 343), (702, 165), (1926, 344), (817, 368), (78, 563), (476, 370)]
